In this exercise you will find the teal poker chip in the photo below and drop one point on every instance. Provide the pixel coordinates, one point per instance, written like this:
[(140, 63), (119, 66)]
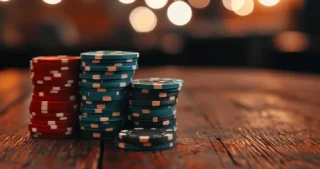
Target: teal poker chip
[(108, 54), (144, 98), (119, 84), (161, 111), (101, 125), (104, 89), (157, 83), (103, 98), (108, 68), (109, 64), (102, 94), (146, 135), (150, 96), (113, 114), (114, 105), (96, 76), (107, 129), (154, 119), (99, 135), (108, 61), (105, 80), (144, 147), (99, 119), (102, 111), (154, 125), (153, 91), (153, 103)]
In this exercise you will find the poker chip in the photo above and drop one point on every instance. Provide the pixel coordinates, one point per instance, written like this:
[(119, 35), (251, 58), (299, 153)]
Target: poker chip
[(157, 83), (104, 81), (55, 98), (144, 146), (152, 113), (146, 135), (106, 55)]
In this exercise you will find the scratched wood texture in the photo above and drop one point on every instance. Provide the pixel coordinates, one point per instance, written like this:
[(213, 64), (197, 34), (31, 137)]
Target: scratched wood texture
[(235, 118), (19, 150)]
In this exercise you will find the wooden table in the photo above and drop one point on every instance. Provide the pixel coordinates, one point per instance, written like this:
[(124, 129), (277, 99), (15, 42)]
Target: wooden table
[(227, 118)]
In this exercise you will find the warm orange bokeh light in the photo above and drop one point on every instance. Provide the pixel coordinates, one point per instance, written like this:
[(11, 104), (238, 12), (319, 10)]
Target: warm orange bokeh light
[(269, 2), (143, 19), (291, 41), (199, 3), (246, 9)]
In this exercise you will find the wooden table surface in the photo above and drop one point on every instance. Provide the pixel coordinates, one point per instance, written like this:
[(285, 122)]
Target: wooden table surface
[(227, 118)]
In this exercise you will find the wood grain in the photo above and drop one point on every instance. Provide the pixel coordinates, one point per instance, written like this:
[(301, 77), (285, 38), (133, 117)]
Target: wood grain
[(236, 119), (227, 118)]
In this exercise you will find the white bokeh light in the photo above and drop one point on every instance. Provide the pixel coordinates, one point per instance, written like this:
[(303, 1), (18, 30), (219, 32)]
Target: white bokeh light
[(4, 0), (179, 13), (156, 4), (143, 19), (127, 1), (269, 2), (237, 4), (246, 9), (52, 2), (199, 3)]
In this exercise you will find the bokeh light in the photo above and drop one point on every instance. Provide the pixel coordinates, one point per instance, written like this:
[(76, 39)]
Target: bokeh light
[(291, 41), (127, 1), (179, 13), (156, 4), (237, 4), (199, 3), (227, 4), (143, 19), (269, 2), (4, 0), (52, 2), (246, 9)]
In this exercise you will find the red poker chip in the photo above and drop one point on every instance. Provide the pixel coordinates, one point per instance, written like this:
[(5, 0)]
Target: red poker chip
[(51, 137), (56, 59), (63, 83), (38, 108), (36, 129), (54, 74), (52, 122), (53, 118), (55, 98), (59, 114), (52, 134), (54, 90), (56, 103), (51, 127)]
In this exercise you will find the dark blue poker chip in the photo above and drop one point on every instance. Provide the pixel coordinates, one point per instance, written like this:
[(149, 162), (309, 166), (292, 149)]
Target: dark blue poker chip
[(146, 135), (152, 103), (158, 111), (153, 119)]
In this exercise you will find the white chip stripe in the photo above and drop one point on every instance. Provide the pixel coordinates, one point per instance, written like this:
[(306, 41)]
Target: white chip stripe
[(47, 78), (96, 77), (95, 61), (147, 144), (144, 139), (41, 94), (156, 103), (118, 64), (39, 82), (123, 84), (65, 68), (96, 85), (98, 56), (87, 68), (94, 125), (155, 119), (102, 90), (64, 60), (145, 91), (122, 133), (96, 135), (124, 76), (106, 98), (129, 60), (98, 110), (54, 91), (104, 118), (84, 97), (172, 98), (145, 111), (109, 129), (101, 106), (163, 95), (116, 114), (57, 75), (167, 122), (135, 114), (122, 145), (112, 68), (55, 88), (67, 85), (88, 102), (108, 73)]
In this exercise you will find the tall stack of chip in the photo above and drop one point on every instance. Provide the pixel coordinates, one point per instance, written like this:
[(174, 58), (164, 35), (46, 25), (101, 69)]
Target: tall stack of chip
[(152, 109), (104, 82), (54, 105)]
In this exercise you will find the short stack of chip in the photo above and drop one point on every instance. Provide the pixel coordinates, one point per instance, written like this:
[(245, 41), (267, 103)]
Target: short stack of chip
[(152, 109), (54, 105), (104, 82)]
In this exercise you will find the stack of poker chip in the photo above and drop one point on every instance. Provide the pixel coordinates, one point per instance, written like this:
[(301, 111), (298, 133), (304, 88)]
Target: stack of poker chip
[(104, 82), (152, 109), (54, 105)]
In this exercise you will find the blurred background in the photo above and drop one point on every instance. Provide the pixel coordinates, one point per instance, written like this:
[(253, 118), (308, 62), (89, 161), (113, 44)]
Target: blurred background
[(274, 34)]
